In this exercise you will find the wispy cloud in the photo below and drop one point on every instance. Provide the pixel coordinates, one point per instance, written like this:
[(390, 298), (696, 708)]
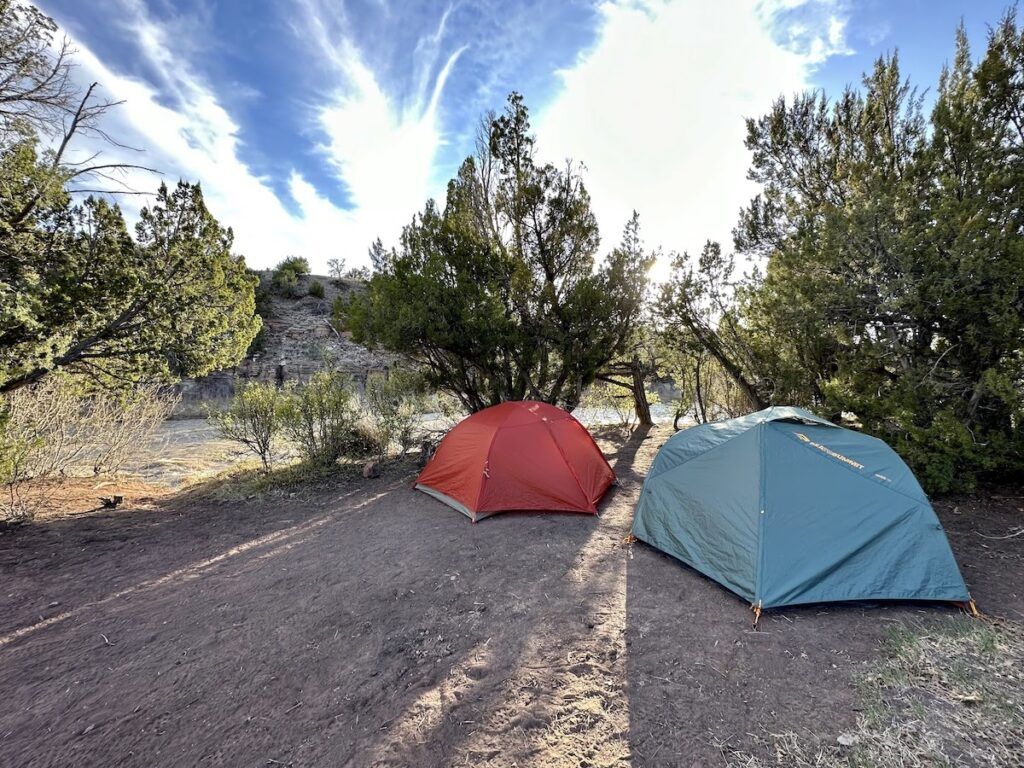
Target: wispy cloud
[(656, 108), (382, 152), (649, 94)]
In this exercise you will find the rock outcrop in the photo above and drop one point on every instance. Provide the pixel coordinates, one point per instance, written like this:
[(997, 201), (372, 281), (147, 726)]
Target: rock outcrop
[(298, 340)]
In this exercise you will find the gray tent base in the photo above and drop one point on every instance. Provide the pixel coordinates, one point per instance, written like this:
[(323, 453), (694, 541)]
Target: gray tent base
[(476, 516), (965, 605), (445, 499)]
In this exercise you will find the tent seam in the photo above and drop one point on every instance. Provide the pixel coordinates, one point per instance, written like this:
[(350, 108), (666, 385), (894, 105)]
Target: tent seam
[(487, 468), (703, 453), (565, 458), (761, 513), (789, 419)]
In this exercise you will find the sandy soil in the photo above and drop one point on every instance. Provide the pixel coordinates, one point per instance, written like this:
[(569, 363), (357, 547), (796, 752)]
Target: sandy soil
[(369, 625)]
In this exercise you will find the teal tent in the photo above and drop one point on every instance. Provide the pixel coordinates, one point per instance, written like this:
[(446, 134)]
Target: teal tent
[(783, 507)]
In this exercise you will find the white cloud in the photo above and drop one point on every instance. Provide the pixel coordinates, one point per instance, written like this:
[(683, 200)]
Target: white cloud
[(381, 154), (656, 108)]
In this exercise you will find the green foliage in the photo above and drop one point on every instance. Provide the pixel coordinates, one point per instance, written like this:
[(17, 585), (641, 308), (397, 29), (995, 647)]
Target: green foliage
[(713, 352), (321, 417), (265, 310), (325, 418), (395, 403), (297, 264), (285, 282), (285, 277), (80, 295), (339, 312), (606, 401), (496, 295), (316, 289), (890, 293), (254, 419), (77, 293), (361, 274)]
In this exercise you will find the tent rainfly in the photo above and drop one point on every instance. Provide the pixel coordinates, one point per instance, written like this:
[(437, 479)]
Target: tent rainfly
[(519, 455), (784, 508)]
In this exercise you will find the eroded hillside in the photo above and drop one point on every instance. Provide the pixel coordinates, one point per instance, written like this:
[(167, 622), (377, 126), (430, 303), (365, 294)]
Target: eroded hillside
[(297, 340)]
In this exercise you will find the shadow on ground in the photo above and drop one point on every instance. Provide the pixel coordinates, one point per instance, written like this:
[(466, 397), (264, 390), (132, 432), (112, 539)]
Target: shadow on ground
[(367, 624)]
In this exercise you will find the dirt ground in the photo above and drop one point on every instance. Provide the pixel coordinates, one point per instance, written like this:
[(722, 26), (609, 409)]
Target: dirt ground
[(367, 624)]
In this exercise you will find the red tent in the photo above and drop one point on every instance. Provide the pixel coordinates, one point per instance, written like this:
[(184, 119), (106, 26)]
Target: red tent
[(520, 455)]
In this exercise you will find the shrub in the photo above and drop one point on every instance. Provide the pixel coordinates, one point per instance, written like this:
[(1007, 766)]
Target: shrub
[(297, 264), (253, 419), (321, 417), (365, 441), (285, 282), (265, 309), (316, 289), (285, 278), (358, 273), (339, 313), (117, 427), (55, 429), (17, 452), (336, 267), (609, 404), (394, 406)]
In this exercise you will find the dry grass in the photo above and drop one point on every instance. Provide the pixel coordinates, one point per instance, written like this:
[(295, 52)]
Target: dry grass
[(948, 695)]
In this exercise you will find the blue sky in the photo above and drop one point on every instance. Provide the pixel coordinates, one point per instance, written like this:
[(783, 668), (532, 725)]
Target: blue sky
[(318, 125)]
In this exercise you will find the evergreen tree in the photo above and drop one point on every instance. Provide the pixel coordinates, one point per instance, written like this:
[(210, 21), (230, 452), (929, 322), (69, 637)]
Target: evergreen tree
[(497, 293)]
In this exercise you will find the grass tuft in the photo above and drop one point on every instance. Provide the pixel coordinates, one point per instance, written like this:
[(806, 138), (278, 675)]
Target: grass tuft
[(951, 694)]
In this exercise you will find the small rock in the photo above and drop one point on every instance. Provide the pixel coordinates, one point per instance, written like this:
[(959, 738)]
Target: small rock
[(371, 469), (847, 739)]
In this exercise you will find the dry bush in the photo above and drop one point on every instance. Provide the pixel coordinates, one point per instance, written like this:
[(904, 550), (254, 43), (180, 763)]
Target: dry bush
[(254, 418), (394, 405), (53, 430), (118, 427)]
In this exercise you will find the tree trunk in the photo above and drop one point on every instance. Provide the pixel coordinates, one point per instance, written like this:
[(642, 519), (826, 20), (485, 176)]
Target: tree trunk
[(640, 402), (23, 380), (698, 395)]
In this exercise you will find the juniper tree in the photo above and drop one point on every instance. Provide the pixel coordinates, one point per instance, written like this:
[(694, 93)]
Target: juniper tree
[(497, 293)]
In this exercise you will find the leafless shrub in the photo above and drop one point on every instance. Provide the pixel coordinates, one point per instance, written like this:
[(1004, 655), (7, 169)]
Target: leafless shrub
[(53, 430), (117, 428)]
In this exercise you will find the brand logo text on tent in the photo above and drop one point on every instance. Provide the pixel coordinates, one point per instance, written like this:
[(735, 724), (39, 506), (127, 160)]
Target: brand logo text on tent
[(829, 451)]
